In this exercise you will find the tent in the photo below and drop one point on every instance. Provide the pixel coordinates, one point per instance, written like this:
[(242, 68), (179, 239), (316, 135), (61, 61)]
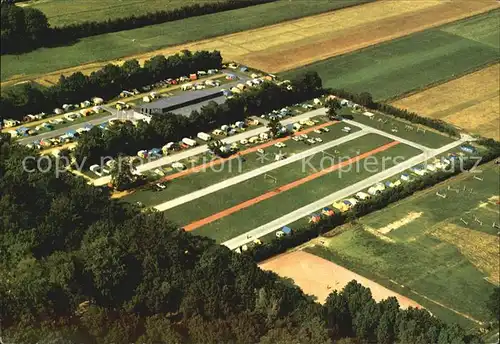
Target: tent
[(286, 230)]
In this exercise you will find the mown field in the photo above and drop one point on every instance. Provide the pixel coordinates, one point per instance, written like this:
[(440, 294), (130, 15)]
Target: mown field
[(267, 210), (231, 168), (413, 62), (421, 247), (118, 44), (64, 12), (470, 102)]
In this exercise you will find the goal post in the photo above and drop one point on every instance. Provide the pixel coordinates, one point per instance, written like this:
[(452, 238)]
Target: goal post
[(272, 178)]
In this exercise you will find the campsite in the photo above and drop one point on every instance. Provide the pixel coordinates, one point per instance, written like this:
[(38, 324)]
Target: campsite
[(254, 171)]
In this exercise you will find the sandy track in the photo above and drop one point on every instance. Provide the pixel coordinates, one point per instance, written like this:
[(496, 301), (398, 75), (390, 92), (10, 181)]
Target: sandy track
[(470, 102), (298, 42), (226, 212), (319, 277)]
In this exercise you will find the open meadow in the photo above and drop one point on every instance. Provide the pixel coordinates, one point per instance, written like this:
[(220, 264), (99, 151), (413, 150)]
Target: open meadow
[(272, 48), (413, 62), (64, 12), (443, 253), (470, 102)]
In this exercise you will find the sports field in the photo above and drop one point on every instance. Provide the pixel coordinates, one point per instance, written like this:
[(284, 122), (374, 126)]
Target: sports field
[(421, 246), (64, 12), (206, 171), (413, 62), (272, 48), (470, 102), (319, 277), (242, 207), (117, 45)]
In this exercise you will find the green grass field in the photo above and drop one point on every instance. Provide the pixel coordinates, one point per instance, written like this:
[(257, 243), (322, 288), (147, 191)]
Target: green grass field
[(434, 253), (195, 181), (282, 203), (410, 63), (64, 12), (431, 139), (118, 44)]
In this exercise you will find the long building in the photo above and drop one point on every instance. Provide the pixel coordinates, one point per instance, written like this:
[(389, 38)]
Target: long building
[(165, 105)]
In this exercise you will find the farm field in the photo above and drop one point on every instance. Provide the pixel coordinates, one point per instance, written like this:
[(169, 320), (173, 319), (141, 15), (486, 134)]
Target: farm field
[(205, 177), (272, 48), (421, 246), (410, 63), (470, 102), (63, 12), (288, 198), (116, 45), (318, 277)]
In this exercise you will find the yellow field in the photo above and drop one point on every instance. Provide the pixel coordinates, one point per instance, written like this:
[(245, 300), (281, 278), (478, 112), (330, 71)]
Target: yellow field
[(295, 43), (470, 102)]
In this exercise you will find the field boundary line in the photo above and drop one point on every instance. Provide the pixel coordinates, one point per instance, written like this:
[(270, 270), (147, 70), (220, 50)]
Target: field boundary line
[(244, 152), (240, 178), (448, 308), (196, 224), (436, 27), (441, 82)]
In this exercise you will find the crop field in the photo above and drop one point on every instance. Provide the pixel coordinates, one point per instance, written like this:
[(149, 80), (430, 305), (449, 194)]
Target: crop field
[(272, 48), (242, 207), (470, 102), (431, 249), (64, 12), (117, 45), (410, 63)]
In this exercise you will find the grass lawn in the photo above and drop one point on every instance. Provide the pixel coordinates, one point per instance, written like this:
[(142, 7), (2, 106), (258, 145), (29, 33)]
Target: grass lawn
[(195, 181), (410, 63), (64, 12), (430, 138), (433, 254), (118, 44), (268, 210)]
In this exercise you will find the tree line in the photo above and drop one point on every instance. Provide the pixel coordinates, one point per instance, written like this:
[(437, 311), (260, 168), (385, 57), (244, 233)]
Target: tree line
[(125, 138), (105, 83), (16, 36), (376, 202), (366, 100), (79, 267)]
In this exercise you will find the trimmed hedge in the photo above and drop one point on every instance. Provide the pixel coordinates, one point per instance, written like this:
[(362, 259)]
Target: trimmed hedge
[(366, 100)]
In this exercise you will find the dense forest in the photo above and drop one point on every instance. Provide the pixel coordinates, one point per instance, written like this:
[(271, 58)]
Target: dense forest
[(25, 28), (106, 83), (78, 267)]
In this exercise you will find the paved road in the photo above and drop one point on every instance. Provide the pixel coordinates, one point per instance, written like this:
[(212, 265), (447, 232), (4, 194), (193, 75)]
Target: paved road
[(391, 136), (256, 172), (328, 200), (62, 131), (202, 149)]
